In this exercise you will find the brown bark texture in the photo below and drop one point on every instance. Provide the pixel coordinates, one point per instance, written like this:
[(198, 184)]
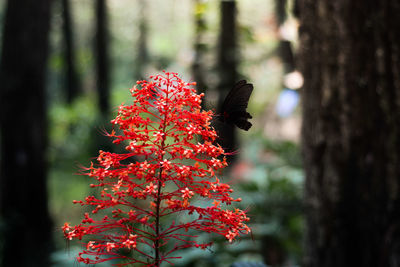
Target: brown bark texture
[(25, 222), (350, 58)]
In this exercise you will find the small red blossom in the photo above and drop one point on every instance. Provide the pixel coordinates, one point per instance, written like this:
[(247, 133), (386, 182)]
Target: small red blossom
[(186, 193), (146, 199)]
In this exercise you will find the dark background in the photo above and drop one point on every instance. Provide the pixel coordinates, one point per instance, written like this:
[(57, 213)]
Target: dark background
[(322, 194)]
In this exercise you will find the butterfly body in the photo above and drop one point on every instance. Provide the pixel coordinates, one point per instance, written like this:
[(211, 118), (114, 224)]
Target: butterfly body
[(235, 105)]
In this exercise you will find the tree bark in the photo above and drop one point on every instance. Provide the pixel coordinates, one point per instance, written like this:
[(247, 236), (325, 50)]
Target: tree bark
[(280, 11), (227, 68), (199, 47), (350, 59), (72, 84), (142, 55), (102, 60), (26, 226)]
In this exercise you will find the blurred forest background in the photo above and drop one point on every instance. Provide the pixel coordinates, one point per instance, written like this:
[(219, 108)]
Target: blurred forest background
[(66, 65)]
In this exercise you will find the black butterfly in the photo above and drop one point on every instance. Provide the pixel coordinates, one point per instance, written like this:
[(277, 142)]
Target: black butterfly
[(235, 105)]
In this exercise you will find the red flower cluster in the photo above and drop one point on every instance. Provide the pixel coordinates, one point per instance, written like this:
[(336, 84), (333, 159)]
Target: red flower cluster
[(152, 190)]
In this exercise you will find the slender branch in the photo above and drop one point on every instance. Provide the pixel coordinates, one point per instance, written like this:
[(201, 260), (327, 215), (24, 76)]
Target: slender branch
[(158, 200)]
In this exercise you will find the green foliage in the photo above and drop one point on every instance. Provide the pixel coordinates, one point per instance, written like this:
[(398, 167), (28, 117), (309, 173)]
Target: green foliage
[(71, 129), (71, 139), (270, 178), (276, 197), (247, 34)]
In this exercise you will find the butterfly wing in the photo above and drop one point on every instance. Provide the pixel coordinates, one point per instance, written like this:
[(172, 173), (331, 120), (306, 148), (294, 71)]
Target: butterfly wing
[(235, 105), (238, 98)]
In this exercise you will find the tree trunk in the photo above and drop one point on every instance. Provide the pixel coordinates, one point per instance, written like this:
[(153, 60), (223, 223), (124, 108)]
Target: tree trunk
[(280, 11), (350, 59), (142, 55), (102, 62), (26, 227), (199, 47), (227, 68), (72, 85)]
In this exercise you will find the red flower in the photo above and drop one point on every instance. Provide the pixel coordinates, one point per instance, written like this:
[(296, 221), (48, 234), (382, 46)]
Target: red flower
[(147, 200)]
